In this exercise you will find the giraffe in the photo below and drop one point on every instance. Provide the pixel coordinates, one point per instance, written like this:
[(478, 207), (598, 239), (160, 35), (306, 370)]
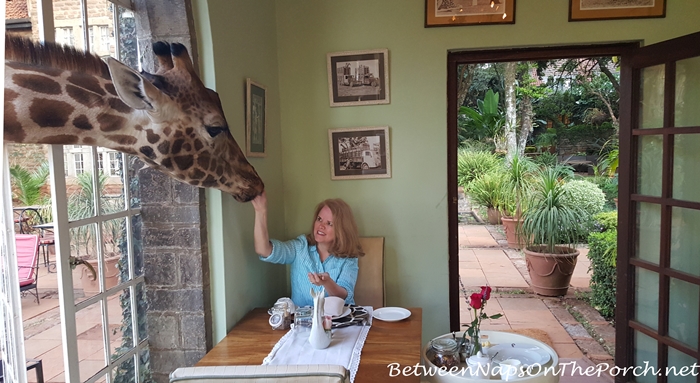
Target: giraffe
[(170, 120)]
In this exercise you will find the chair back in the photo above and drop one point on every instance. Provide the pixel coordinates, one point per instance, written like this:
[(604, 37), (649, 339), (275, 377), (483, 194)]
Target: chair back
[(27, 248), (369, 289)]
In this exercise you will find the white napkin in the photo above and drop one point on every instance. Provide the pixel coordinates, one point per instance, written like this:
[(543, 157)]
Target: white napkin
[(345, 349)]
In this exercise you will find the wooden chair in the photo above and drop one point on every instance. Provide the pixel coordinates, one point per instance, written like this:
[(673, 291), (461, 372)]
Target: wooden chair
[(369, 289), (27, 248)]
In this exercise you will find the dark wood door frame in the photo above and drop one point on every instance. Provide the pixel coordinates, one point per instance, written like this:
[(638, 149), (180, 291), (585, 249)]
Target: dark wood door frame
[(457, 57)]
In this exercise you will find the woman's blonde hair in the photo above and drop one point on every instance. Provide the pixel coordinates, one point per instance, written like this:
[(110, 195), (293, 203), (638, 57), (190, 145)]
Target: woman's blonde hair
[(347, 237)]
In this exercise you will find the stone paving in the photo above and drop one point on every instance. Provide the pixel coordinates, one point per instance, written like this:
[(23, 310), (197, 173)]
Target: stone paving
[(485, 259)]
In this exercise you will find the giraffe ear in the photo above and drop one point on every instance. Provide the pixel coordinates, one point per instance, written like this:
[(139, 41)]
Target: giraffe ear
[(134, 89)]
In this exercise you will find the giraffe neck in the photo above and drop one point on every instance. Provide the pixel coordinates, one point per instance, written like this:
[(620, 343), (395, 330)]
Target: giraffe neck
[(54, 106)]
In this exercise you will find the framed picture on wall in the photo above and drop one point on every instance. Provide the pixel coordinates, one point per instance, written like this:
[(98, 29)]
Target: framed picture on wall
[(255, 119), (358, 77), (446, 13), (581, 10), (359, 153)]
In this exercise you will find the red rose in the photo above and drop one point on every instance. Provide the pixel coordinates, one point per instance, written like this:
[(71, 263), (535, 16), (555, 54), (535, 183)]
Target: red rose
[(486, 292), (475, 300)]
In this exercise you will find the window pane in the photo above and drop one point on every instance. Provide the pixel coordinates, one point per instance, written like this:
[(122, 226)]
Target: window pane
[(145, 366), (686, 173), (646, 302), (133, 181), (83, 248), (141, 306), (651, 103), (649, 163), (101, 26), (687, 92), (649, 234), (81, 195), (114, 238), (128, 44), (683, 313), (112, 194), (137, 245), (91, 340), (685, 241), (120, 336), (645, 352), (680, 364)]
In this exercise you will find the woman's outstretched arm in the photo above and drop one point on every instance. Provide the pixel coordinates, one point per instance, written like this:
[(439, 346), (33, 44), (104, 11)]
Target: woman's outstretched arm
[(262, 239)]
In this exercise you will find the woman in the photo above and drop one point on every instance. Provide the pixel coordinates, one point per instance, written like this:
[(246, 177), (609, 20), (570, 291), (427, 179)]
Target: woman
[(326, 257)]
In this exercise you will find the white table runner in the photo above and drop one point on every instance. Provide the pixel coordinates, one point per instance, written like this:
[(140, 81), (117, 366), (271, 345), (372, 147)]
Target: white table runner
[(345, 348)]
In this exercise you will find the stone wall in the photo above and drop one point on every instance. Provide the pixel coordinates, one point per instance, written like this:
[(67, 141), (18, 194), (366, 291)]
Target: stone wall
[(176, 266)]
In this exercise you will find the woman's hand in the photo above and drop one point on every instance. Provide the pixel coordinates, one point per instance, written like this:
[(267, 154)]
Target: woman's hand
[(260, 203), (319, 279)]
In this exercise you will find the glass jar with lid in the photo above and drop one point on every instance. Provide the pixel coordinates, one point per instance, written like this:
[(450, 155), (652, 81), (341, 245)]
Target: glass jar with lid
[(445, 352)]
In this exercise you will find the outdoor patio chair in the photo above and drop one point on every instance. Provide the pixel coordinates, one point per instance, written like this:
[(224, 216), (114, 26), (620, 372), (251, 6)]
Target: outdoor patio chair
[(29, 218), (27, 248), (369, 289)]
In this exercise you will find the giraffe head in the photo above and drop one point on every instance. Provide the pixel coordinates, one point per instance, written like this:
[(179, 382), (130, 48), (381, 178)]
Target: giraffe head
[(188, 136)]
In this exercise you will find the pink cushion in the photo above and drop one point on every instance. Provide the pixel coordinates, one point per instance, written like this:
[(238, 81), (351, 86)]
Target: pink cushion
[(26, 282), (27, 247)]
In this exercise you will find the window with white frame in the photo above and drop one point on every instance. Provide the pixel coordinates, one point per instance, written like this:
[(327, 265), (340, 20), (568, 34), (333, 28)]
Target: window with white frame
[(78, 163), (64, 35)]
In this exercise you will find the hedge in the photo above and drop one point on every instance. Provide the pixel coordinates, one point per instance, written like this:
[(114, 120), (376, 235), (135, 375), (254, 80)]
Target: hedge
[(603, 255)]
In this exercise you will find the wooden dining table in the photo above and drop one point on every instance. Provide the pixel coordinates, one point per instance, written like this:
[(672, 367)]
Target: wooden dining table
[(252, 339)]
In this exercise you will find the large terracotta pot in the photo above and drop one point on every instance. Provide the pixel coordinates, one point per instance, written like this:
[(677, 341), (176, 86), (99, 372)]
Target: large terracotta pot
[(92, 286), (550, 274), (493, 215), (510, 226)]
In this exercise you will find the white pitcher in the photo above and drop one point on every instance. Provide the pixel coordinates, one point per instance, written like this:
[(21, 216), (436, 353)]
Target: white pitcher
[(318, 338)]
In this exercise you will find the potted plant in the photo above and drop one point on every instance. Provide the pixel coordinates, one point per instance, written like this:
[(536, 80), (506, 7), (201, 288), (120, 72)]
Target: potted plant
[(81, 204), (518, 179), (488, 191), (551, 228)]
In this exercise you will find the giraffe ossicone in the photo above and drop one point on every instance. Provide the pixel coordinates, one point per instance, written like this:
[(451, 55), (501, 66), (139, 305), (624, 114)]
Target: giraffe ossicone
[(58, 95)]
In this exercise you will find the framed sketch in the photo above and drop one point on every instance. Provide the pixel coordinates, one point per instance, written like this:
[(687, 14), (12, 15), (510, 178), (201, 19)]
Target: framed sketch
[(359, 153), (358, 77), (446, 13), (255, 119), (580, 10)]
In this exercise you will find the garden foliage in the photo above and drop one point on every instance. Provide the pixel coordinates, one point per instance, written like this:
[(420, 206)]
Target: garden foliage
[(588, 197), (603, 255), (473, 164)]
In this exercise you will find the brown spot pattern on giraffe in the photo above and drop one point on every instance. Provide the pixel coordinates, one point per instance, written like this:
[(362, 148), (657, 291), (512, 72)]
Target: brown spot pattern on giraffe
[(118, 105), (110, 122), (187, 147), (82, 122), (209, 181), (13, 129), (168, 163), (111, 89), (167, 131), (83, 96), (37, 83), (138, 127), (10, 95), (184, 162), (60, 139), (198, 145), (197, 174), (151, 136), (87, 82), (203, 161), (189, 131), (147, 151), (164, 147), (52, 72), (89, 141), (50, 113), (177, 146), (123, 139)]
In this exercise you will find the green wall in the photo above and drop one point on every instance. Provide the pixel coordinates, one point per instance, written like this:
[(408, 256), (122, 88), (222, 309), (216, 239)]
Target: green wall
[(237, 40), (409, 209)]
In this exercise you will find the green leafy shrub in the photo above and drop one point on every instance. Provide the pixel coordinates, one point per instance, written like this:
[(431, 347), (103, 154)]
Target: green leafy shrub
[(588, 197), (473, 164), (488, 190), (546, 159), (603, 255)]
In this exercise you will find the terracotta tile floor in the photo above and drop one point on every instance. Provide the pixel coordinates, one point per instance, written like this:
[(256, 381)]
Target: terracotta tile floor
[(482, 261)]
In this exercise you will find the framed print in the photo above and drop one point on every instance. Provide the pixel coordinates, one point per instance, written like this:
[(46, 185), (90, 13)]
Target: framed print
[(580, 10), (446, 13), (358, 77), (255, 119), (359, 153)]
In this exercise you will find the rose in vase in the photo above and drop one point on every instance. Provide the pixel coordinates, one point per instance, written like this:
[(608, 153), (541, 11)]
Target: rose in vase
[(477, 303)]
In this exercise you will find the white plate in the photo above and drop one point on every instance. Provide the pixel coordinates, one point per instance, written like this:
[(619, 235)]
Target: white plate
[(391, 314), (344, 314), (528, 354)]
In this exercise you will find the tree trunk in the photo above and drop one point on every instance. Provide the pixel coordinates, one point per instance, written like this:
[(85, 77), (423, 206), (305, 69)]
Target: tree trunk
[(511, 114), (465, 75), (526, 120)]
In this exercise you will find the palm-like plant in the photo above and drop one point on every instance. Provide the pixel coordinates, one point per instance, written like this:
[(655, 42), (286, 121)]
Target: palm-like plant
[(519, 174), (549, 222), (27, 185)]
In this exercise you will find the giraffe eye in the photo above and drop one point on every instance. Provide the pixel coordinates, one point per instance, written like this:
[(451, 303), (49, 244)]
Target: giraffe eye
[(216, 130)]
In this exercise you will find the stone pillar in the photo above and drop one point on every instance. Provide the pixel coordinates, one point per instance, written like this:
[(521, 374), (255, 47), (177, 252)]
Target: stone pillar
[(176, 260)]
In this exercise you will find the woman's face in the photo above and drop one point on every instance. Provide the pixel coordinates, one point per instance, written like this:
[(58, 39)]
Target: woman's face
[(324, 232)]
